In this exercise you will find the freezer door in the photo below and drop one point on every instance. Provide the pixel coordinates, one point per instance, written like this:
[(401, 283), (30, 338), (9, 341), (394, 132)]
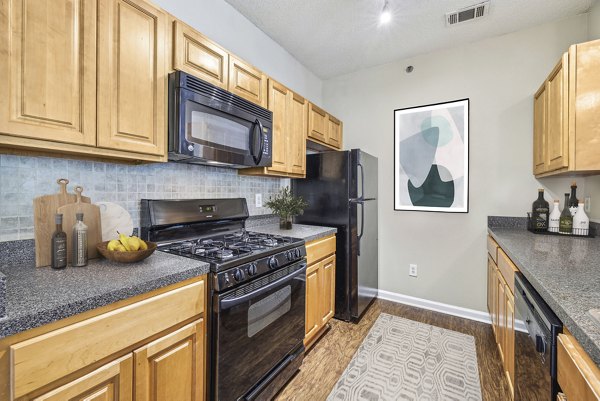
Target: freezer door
[(364, 175), (365, 259)]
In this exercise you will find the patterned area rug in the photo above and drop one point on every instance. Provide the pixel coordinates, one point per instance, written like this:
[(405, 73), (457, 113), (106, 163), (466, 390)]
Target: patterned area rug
[(401, 359)]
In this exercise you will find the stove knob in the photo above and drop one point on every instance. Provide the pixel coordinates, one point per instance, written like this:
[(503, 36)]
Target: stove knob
[(297, 252), (289, 255), (238, 275), (252, 269), (273, 262)]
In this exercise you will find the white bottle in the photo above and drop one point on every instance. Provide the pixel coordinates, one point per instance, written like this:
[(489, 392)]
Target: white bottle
[(554, 217), (581, 222)]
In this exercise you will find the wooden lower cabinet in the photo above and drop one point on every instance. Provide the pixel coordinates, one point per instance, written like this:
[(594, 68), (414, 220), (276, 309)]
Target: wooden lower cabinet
[(320, 287), (172, 367), (578, 376), (157, 345), (313, 321), (111, 382), (501, 305)]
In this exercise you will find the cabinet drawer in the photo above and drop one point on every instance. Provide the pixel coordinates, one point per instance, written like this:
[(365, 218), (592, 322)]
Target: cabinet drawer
[(578, 375), (44, 359), (319, 249), (507, 269), (492, 247)]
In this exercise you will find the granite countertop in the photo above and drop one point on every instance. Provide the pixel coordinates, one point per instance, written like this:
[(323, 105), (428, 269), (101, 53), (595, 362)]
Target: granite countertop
[(302, 231), (565, 271), (38, 296)]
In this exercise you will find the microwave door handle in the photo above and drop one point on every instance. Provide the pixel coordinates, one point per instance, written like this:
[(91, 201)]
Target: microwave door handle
[(230, 303), (258, 158)]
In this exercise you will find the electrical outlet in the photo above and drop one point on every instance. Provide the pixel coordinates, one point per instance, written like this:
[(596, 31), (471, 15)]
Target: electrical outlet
[(412, 270), (587, 204), (258, 200)]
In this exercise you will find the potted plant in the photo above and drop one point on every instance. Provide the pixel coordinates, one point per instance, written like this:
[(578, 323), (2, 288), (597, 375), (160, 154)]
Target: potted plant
[(286, 206)]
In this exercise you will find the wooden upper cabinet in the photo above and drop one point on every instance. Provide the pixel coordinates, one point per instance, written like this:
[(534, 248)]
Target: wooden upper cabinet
[(584, 122), (172, 367), (327, 301), (48, 70), (298, 123), (566, 115), (279, 104), (335, 132), (247, 81), (199, 56), (317, 123), (111, 382), (557, 120), (539, 130), (132, 82)]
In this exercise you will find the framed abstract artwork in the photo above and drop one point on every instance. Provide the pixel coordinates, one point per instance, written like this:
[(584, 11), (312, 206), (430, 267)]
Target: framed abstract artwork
[(431, 157)]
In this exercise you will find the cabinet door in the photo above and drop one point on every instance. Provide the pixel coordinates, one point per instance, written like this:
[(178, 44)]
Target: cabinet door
[(279, 105), (111, 382), (247, 81), (539, 131), (557, 144), (491, 286), (509, 339), (317, 123), (313, 320), (501, 329), (298, 122), (48, 70), (172, 367), (327, 289), (584, 85), (335, 132), (132, 83), (199, 56)]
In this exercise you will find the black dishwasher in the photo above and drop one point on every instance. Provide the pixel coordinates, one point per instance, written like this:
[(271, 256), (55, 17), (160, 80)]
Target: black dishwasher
[(535, 345)]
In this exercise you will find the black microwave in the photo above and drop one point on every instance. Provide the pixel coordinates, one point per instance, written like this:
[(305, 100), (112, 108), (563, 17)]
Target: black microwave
[(209, 125)]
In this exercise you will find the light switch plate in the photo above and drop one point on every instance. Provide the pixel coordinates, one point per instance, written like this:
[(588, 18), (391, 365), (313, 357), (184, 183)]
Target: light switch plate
[(412, 270), (258, 200)]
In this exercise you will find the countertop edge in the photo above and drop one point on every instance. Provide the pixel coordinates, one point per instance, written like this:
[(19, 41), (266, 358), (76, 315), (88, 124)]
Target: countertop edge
[(319, 231), (581, 336), (12, 326)]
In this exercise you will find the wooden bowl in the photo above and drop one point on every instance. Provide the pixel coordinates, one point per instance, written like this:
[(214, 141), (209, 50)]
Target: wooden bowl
[(126, 257)]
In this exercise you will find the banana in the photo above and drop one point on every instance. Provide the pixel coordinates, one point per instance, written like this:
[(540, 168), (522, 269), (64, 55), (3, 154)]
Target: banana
[(124, 241), (112, 245), (143, 245)]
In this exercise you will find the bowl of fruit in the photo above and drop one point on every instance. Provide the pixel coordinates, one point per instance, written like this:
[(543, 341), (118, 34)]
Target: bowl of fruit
[(126, 249)]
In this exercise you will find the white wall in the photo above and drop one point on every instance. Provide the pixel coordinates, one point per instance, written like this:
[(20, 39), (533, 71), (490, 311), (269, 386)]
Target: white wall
[(499, 75), (594, 22), (230, 29)]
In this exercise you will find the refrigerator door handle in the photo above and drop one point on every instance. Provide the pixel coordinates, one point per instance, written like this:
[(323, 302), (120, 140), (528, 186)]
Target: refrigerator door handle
[(362, 180), (362, 225)]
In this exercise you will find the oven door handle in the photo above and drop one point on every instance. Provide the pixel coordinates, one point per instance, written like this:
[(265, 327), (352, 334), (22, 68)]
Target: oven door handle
[(230, 303)]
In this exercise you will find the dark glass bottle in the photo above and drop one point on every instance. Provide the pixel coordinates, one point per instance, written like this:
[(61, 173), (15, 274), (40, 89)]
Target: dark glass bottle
[(59, 245), (540, 212), (573, 201), (565, 226)]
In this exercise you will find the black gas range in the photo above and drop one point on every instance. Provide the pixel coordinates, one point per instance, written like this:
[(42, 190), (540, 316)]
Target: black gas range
[(258, 286)]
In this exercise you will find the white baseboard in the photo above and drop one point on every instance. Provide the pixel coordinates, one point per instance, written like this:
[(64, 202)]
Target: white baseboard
[(465, 313)]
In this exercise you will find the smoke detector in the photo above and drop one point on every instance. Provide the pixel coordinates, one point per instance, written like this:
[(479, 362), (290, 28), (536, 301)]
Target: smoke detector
[(468, 13)]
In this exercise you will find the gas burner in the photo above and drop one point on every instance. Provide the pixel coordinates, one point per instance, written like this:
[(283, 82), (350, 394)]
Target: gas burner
[(245, 246), (270, 242), (236, 235), (221, 254)]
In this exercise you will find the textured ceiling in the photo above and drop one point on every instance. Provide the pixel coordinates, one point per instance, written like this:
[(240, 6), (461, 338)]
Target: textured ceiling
[(334, 37)]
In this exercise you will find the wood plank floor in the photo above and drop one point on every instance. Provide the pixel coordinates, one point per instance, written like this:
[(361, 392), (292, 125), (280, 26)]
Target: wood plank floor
[(325, 362)]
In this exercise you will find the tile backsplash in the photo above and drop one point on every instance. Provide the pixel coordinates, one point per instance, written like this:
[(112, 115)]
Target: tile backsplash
[(23, 178)]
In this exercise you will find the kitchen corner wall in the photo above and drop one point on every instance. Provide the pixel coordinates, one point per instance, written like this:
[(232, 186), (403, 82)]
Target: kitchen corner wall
[(500, 76), (23, 178)]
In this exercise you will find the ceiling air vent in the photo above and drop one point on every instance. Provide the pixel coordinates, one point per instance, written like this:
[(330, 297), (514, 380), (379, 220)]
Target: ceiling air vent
[(468, 13)]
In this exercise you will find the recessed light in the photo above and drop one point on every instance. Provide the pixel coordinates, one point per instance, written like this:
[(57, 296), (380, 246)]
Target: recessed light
[(386, 14)]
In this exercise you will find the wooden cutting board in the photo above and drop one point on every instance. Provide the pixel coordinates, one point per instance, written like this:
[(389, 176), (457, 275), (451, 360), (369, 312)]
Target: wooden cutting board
[(91, 218), (44, 209)]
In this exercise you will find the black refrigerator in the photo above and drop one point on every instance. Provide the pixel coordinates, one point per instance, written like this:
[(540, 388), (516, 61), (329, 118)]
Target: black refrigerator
[(341, 190)]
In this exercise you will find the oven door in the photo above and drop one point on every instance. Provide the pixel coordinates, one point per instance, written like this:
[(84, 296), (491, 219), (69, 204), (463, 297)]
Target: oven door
[(212, 131), (256, 327)]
